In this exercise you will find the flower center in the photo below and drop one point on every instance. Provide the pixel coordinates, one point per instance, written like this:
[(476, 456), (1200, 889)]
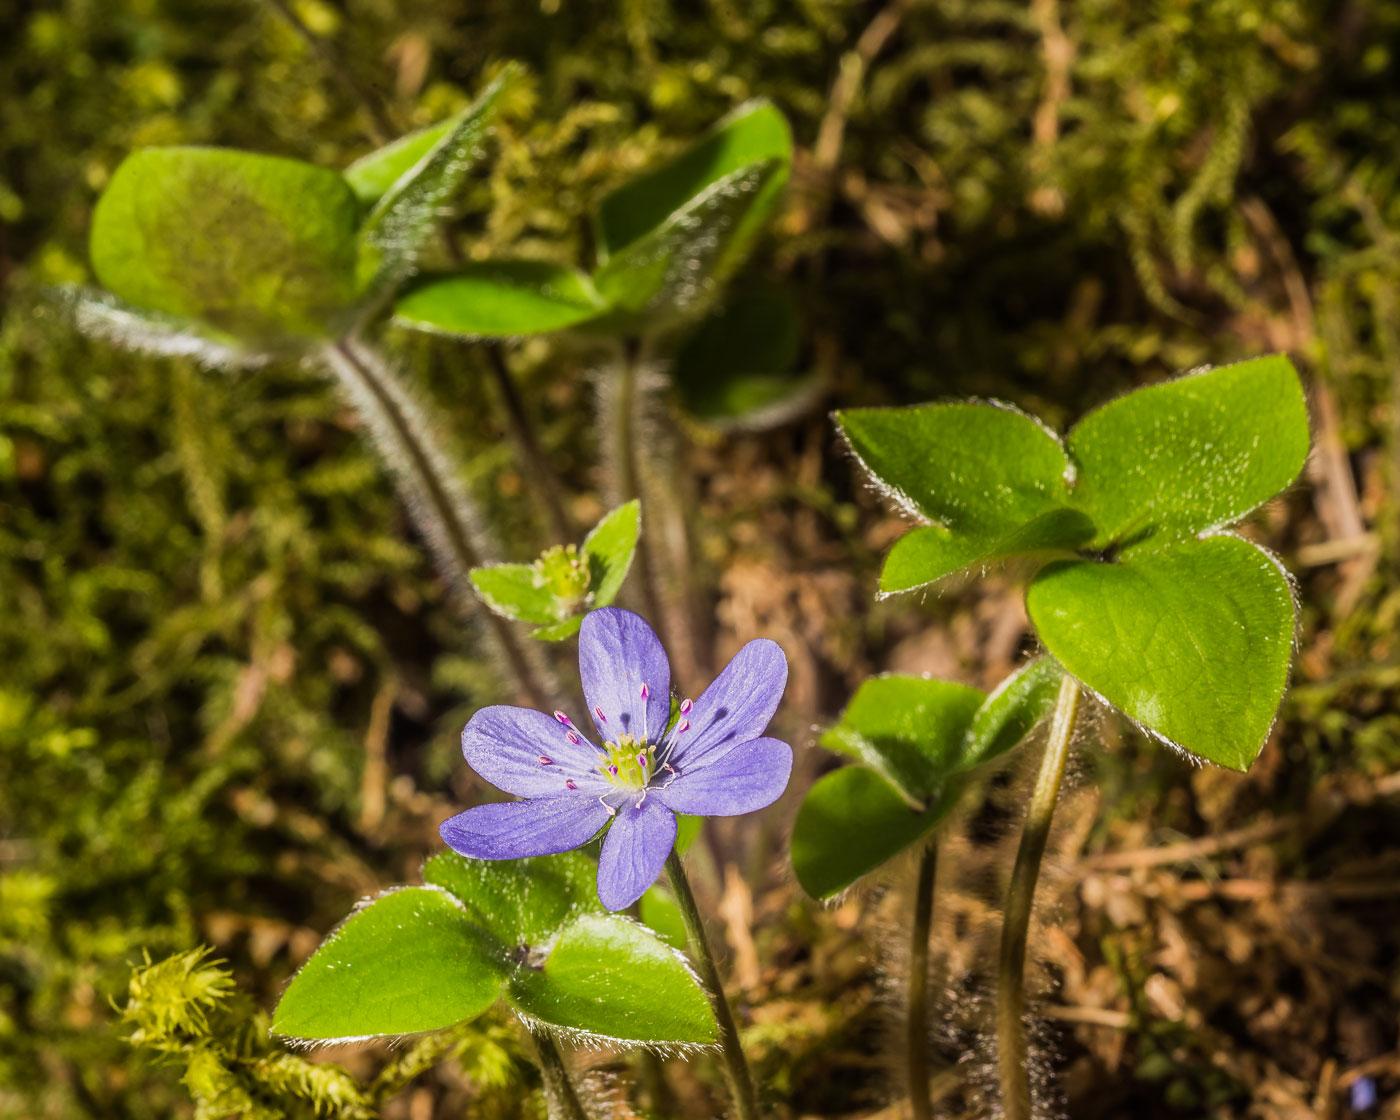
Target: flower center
[(628, 763)]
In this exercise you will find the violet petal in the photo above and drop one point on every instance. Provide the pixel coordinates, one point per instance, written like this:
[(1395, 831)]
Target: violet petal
[(617, 654), (504, 745), (515, 829), (737, 706), (725, 783), (634, 852)]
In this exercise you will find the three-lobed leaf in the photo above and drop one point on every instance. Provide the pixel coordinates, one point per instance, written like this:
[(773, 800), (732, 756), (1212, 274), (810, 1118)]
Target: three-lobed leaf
[(424, 958), (916, 742), (258, 247), (1188, 634)]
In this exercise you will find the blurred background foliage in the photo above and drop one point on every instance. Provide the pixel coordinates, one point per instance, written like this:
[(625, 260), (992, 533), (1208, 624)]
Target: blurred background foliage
[(230, 687)]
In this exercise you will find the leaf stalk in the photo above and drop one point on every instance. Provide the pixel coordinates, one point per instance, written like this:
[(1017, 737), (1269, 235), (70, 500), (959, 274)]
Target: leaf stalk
[(1012, 1051), (436, 499)]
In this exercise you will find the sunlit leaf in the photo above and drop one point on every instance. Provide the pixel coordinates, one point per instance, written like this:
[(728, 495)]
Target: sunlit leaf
[(1192, 640), (258, 247), (608, 976), (1192, 454), (522, 901), (412, 960)]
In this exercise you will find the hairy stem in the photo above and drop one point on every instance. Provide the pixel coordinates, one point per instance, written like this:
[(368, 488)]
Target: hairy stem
[(916, 1038), (435, 498), (736, 1067), (549, 490), (641, 463), (622, 439), (558, 1089), (1012, 1052)]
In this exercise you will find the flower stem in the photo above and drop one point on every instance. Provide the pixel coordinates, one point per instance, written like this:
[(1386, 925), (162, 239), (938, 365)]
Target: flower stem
[(642, 464), (736, 1067), (916, 1039), (435, 498), (558, 1089), (1012, 1052), (548, 488)]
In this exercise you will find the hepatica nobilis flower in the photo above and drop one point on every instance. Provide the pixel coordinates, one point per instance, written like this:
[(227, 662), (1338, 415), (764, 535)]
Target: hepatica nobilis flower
[(640, 770)]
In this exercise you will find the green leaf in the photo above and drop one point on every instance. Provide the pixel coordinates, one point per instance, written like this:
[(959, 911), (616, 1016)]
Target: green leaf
[(993, 481), (610, 546), (1008, 714), (523, 901), (371, 176), (850, 823), (662, 915), (409, 961), (1193, 641), (1192, 454), (674, 270), (499, 299), (607, 976), (908, 729), (258, 247), (736, 369), (516, 591), (755, 132), (931, 552), (558, 631), (404, 219)]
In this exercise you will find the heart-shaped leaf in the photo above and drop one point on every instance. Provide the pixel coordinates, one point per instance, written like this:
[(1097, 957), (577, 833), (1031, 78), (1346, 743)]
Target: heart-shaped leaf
[(499, 299), (608, 977), (753, 133), (258, 247), (1191, 640), (401, 222), (851, 822), (520, 902), (917, 742), (910, 730), (371, 176), (412, 960), (423, 958), (1193, 454)]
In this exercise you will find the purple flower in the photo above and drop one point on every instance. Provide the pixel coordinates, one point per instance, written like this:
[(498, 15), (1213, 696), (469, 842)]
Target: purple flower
[(713, 761)]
